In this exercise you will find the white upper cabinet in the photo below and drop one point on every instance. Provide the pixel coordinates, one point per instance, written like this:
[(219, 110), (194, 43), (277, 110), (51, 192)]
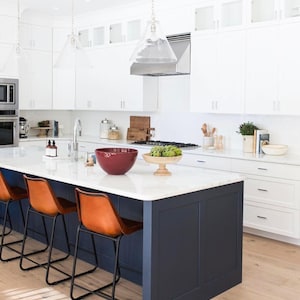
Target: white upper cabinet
[(273, 70), (63, 79), (35, 80), (219, 15), (98, 36), (274, 10), (176, 20), (261, 70), (8, 60), (36, 37), (217, 75), (289, 69), (8, 29), (109, 86), (8, 41)]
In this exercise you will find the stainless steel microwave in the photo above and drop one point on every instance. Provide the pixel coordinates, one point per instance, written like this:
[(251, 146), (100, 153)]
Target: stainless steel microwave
[(9, 93)]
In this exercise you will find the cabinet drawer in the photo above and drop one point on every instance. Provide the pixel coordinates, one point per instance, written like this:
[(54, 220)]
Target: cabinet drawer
[(270, 219), (266, 169), (207, 162), (277, 192)]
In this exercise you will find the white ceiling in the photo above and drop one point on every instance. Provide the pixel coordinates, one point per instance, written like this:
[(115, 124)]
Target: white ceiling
[(64, 7)]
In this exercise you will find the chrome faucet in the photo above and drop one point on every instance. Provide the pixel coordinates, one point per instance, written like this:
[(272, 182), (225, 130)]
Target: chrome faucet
[(76, 132)]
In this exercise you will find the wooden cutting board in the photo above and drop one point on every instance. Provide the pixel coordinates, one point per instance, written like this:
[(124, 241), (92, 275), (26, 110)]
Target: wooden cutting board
[(138, 134), (139, 122)]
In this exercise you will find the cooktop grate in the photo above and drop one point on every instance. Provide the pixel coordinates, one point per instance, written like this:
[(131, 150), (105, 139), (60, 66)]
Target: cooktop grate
[(165, 143)]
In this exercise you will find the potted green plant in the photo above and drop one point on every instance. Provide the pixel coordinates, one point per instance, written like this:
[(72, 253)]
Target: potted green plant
[(247, 129)]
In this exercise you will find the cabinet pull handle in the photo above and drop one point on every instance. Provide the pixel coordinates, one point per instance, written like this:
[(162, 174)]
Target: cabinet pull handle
[(201, 161), (262, 217), (262, 169), (262, 190)]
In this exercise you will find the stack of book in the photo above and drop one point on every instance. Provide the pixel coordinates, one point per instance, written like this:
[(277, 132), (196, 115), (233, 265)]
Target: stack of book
[(261, 137)]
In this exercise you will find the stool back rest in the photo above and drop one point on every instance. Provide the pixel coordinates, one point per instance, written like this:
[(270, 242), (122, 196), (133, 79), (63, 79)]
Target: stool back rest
[(5, 191), (41, 196), (97, 213)]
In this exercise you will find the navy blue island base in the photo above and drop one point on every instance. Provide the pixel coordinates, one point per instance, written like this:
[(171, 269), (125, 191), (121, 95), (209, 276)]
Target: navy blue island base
[(189, 249)]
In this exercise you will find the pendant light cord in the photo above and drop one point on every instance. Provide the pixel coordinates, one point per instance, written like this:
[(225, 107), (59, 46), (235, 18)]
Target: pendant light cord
[(18, 47), (73, 18), (153, 19), (73, 38)]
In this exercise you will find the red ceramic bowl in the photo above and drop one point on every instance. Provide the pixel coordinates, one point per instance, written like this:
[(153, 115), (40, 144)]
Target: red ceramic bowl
[(116, 161)]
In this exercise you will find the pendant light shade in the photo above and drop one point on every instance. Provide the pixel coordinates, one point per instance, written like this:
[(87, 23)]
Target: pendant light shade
[(154, 47), (72, 54)]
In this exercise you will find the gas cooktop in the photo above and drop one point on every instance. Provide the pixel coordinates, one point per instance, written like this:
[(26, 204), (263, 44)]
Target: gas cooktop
[(165, 143)]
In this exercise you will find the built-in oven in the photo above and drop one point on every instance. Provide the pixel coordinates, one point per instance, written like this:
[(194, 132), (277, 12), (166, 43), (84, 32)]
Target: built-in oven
[(9, 131), (8, 93), (9, 112)]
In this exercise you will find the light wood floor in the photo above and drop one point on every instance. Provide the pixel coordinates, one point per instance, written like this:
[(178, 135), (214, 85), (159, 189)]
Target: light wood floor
[(271, 271)]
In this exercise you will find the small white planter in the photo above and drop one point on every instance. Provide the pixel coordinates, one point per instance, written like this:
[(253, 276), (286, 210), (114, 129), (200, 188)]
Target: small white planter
[(248, 143)]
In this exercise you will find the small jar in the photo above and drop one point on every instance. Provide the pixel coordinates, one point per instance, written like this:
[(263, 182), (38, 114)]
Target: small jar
[(104, 129), (114, 133)]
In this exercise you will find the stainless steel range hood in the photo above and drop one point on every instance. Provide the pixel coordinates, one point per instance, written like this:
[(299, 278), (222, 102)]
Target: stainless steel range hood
[(181, 45)]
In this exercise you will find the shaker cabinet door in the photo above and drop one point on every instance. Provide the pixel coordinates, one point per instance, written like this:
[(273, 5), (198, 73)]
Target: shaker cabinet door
[(217, 75), (261, 71), (289, 69), (36, 79)]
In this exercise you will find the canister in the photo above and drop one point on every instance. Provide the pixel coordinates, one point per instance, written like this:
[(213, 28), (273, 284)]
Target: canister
[(104, 129), (114, 133)]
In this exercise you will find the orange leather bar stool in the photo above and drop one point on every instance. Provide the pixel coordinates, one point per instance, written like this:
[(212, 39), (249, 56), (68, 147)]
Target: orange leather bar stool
[(8, 195), (98, 217), (43, 202)]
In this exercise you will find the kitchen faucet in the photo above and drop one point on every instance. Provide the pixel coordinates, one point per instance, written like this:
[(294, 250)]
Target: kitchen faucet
[(76, 133)]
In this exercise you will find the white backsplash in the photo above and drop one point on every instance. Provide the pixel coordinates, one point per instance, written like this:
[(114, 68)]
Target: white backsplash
[(173, 121)]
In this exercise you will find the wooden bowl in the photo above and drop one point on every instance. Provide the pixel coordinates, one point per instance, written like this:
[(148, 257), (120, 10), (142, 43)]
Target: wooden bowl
[(162, 162), (275, 149)]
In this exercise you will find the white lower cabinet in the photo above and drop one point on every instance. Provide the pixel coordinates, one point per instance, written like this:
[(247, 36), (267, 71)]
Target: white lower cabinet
[(207, 162), (272, 219), (271, 196), (271, 192)]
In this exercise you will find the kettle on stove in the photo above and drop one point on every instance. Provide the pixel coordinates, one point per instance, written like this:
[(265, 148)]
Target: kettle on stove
[(23, 128)]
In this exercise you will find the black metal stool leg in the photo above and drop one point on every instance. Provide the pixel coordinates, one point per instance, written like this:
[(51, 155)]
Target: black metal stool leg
[(27, 255), (6, 219), (116, 272), (74, 275), (50, 261)]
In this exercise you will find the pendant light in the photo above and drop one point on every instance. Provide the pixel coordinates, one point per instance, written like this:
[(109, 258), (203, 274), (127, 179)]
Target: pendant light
[(154, 47), (72, 54)]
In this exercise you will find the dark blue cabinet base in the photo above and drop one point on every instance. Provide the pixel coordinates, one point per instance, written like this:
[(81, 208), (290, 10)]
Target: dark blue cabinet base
[(190, 247)]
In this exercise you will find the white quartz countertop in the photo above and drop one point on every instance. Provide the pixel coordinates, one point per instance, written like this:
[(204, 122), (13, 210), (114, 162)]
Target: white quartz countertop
[(138, 183)]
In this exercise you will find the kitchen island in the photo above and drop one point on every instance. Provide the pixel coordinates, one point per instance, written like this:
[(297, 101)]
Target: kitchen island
[(191, 243)]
